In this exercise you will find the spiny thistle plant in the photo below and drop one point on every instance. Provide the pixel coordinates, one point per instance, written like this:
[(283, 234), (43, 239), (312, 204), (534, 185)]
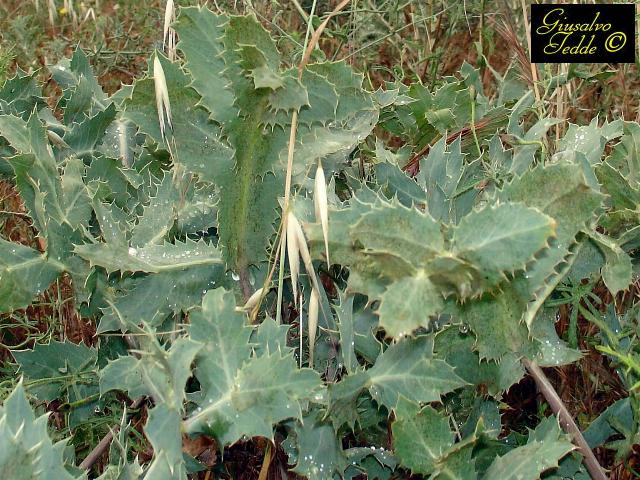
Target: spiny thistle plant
[(429, 271)]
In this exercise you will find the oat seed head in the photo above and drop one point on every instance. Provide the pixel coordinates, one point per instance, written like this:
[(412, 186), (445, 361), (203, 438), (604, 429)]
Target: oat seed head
[(293, 252), (253, 300), (162, 96), (322, 207), (304, 251), (168, 34)]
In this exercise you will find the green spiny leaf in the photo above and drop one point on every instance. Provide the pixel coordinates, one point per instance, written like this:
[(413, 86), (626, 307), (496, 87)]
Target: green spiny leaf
[(440, 175), (524, 154), (395, 182), (320, 455), (69, 73), (35, 167), (501, 239), (166, 257), (77, 204), (20, 94), (344, 311), (124, 373), (406, 233), (200, 34), (561, 192), (543, 450), (158, 216), (26, 450), (163, 430), (623, 193), (552, 351), (408, 303), (150, 299), (164, 373), (589, 140), (617, 269), (241, 394), (77, 101), (198, 213), (84, 137), (24, 273), (420, 437), (56, 362), (625, 157), (226, 339), (404, 370), (195, 141), (456, 346), (270, 338)]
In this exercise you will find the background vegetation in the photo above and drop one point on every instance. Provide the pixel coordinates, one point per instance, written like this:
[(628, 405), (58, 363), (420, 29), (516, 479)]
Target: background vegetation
[(393, 43)]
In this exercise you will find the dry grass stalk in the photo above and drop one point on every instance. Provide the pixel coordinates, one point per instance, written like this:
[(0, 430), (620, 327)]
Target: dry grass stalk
[(534, 69), (505, 31), (53, 12), (291, 147)]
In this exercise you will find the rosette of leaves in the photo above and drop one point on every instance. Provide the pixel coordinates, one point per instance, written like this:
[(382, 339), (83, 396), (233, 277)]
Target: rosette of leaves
[(50, 185), (99, 193), (135, 219), (232, 104), (411, 263), (248, 378), (448, 267), (444, 251), (95, 215), (478, 239)]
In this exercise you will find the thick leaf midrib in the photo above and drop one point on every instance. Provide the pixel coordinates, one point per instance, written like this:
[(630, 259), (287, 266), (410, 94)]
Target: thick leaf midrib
[(70, 205), (25, 264), (281, 386), (207, 411), (229, 375), (246, 172), (160, 235), (182, 265), (408, 375)]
